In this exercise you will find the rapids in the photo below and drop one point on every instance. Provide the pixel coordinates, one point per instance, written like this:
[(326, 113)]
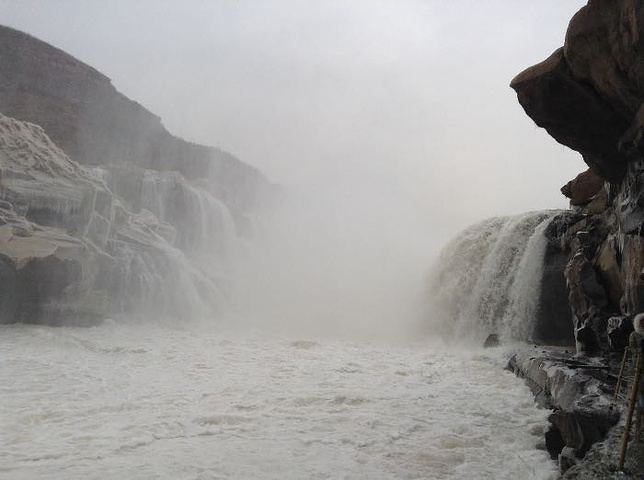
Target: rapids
[(152, 401)]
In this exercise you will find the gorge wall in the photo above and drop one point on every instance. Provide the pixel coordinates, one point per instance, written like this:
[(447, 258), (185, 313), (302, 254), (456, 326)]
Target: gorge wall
[(589, 96), (102, 211)]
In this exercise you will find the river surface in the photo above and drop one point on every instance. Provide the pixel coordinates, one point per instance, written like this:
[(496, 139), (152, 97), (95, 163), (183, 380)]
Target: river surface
[(144, 402)]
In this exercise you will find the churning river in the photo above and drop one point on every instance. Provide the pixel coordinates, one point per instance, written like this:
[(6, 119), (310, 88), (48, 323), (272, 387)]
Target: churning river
[(142, 402)]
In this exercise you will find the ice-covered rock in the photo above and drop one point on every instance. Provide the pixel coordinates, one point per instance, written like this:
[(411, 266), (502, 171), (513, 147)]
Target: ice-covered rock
[(147, 221), (73, 252)]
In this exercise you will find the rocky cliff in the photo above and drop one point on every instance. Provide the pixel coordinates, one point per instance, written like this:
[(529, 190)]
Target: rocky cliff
[(123, 218), (94, 124), (589, 96)]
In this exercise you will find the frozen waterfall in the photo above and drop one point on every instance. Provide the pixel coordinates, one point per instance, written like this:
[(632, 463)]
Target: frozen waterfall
[(189, 244)]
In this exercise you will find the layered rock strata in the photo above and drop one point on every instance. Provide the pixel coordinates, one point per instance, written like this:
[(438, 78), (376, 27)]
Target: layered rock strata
[(123, 218), (71, 251), (577, 391), (94, 124)]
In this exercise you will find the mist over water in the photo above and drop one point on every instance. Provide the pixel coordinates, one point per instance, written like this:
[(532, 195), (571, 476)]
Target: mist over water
[(344, 263), (334, 350), (323, 368), (151, 401)]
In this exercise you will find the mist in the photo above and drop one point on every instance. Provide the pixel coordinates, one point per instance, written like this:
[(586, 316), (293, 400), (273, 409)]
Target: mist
[(172, 312), (389, 126)]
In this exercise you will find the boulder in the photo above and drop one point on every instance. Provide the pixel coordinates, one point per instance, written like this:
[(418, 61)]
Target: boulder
[(567, 459), (573, 388), (598, 203), (583, 187)]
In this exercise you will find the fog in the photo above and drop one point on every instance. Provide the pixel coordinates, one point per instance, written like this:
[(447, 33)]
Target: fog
[(390, 125)]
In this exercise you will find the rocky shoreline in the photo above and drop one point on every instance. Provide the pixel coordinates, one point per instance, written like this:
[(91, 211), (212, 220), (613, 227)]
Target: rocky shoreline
[(586, 423), (589, 96)]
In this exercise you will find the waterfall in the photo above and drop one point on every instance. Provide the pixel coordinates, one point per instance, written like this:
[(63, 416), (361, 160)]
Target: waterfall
[(186, 244), (488, 279)]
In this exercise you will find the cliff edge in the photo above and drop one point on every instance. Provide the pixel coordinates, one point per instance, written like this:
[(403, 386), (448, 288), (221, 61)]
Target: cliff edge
[(103, 213), (94, 124), (589, 96)]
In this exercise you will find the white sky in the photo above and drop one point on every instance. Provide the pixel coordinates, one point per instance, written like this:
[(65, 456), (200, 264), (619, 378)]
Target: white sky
[(404, 105)]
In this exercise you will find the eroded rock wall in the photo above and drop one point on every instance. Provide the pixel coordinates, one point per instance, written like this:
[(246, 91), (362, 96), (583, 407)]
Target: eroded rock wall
[(72, 252), (94, 124), (589, 96), (102, 211)]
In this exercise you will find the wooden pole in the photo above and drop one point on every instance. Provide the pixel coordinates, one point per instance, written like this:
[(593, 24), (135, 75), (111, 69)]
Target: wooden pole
[(629, 415), (621, 372)]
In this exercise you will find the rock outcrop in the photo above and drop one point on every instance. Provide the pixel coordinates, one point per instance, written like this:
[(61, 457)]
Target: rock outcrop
[(123, 218), (588, 95), (575, 391), (72, 253), (583, 188), (94, 124)]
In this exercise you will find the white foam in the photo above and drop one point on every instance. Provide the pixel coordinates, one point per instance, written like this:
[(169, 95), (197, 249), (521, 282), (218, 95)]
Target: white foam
[(488, 279), (149, 402)]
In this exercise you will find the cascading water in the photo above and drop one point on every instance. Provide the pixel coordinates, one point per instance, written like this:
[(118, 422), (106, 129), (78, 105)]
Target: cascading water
[(333, 388), (189, 270), (204, 222), (488, 279)]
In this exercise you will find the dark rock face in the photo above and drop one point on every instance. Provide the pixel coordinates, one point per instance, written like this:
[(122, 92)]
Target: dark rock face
[(619, 331), (583, 188), (573, 113), (554, 441), (554, 325), (492, 340), (574, 389), (588, 94)]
